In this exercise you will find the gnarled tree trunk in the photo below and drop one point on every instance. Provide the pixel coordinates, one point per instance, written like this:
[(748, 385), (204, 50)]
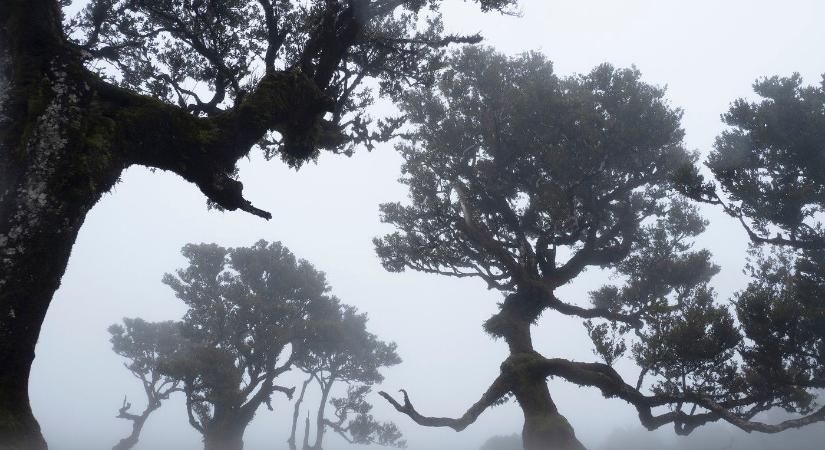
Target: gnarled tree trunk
[(51, 173), (544, 427)]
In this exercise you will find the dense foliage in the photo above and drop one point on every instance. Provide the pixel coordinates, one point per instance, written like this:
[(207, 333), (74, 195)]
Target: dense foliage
[(254, 313), (525, 179), (206, 56), (246, 308)]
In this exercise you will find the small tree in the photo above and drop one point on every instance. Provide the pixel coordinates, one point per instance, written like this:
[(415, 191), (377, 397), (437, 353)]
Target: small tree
[(246, 307), (342, 351), (145, 345), (524, 180)]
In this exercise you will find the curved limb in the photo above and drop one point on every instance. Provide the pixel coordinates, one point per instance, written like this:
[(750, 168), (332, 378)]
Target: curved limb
[(611, 384), (498, 389)]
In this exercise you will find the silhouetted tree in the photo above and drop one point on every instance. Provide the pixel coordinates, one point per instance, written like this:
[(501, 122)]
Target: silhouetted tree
[(524, 180), (247, 305), (145, 345), (341, 350), (186, 86), (769, 173)]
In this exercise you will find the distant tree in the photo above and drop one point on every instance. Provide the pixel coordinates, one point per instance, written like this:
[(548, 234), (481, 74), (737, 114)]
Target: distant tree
[(524, 180), (341, 350), (246, 307), (145, 345), (187, 86), (511, 442)]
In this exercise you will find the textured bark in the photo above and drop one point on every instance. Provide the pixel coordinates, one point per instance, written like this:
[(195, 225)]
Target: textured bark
[(65, 138), (544, 427), (50, 176)]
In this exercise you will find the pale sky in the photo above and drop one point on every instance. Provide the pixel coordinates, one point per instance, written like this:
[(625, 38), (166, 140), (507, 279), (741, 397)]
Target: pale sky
[(706, 52)]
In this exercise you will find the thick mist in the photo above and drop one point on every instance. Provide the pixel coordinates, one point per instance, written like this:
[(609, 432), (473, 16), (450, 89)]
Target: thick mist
[(706, 52)]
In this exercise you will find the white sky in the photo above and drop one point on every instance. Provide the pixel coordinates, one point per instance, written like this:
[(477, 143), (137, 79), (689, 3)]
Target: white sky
[(707, 53)]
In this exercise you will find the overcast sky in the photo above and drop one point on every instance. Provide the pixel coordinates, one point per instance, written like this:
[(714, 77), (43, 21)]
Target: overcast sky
[(707, 52)]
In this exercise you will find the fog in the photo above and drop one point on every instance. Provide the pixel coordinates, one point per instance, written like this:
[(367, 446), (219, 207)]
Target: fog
[(706, 52)]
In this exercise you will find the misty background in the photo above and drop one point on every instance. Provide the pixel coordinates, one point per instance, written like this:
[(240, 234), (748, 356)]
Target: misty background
[(706, 52)]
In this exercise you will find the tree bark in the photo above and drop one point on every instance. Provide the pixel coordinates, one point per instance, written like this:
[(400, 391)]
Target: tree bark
[(544, 427), (49, 179)]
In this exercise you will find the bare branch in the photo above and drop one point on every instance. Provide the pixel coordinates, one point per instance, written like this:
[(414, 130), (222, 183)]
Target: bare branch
[(494, 393)]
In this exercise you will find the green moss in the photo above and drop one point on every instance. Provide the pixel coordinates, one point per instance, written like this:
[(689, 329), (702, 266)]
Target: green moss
[(38, 95)]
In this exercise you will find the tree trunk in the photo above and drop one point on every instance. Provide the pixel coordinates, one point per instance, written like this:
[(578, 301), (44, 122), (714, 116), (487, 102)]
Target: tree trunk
[(132, 440), (296, 412), (320, 426), (51, 173), (227, 436), (137, 424), (544, 427)]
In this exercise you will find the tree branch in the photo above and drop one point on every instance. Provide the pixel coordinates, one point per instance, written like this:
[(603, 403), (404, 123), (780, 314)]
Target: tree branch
[(498, 389), (611, 384)]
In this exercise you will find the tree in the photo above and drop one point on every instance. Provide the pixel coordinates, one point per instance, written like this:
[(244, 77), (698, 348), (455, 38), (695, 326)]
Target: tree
[(524, 180), (144, 345), (186, 86), (247, 307), (769, 173), (770, 164), (342, 351)]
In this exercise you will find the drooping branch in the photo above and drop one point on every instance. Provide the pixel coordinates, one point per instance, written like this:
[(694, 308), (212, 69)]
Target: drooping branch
[(204, 151), (497, 390)]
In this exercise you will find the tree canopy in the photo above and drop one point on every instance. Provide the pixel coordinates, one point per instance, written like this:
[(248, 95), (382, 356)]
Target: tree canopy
[(247, 308), (205, 57), (525, 179), (249, 312)]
